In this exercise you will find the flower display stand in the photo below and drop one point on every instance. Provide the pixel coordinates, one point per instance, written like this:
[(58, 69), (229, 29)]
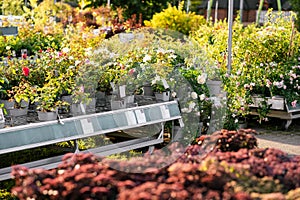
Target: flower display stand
[(279, 109), (75, 128)]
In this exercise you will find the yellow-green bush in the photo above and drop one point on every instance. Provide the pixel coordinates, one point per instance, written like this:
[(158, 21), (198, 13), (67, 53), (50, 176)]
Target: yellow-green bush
[(176, 19)]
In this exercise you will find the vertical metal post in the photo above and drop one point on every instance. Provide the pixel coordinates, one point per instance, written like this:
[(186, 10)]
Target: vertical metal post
[(108, 3), (261, 3), (279, 5), (216, 10), (241, 10), (188, 6), (209, 5), (230, 21)]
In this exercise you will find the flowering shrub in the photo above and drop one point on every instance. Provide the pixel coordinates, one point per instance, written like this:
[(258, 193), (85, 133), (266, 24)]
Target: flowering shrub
[(16, 79), (176, 19), (265, 62), (56, 75), (159, 59)]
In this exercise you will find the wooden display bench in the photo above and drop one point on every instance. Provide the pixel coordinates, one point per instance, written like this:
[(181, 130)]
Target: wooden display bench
[(279, 109)]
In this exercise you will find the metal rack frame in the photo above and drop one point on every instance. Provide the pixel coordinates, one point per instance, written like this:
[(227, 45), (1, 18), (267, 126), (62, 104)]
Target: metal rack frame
[(71, 129)]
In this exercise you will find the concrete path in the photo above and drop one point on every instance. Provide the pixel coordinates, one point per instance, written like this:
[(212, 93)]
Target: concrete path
[(270, 136), (287, 143)]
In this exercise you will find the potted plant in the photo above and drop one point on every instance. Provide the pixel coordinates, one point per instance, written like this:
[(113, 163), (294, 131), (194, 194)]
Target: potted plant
[(21, 95), (161, 89), (48, 100)]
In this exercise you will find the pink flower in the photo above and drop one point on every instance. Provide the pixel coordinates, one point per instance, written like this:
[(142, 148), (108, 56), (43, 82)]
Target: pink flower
[(294, 103), (131, 71)]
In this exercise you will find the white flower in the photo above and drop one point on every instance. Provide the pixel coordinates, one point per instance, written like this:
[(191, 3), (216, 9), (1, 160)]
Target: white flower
[(194, 95), (192, 106), (202, 97), (201, 79), (184, 110), (65, 50), (154, 81), (71, 58), (172, 56), (174, 94), (147, 58), (236, 121), (160, 50), (77, 62), (8, 47), (88, 53)]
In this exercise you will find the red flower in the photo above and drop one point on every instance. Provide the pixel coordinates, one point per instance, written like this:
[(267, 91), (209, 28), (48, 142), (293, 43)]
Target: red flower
[(25, 71), (24, 56)]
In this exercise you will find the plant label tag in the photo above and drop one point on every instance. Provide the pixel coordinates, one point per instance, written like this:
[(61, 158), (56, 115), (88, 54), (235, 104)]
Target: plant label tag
[(165, 111), (165, 84), (122, 91), (130, 116), (2, 119), (82, 108), (140, 116), (112, 84), (87, 126), (181, 124)]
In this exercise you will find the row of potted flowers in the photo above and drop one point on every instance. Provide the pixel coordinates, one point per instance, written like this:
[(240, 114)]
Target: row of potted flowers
[(43, 80), (265, 63)]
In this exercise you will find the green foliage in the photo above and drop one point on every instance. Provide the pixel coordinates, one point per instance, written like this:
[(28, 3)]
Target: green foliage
[(176, 19), (9, 7), (145, 8), (6, 195), (296, 8), (42, 13)]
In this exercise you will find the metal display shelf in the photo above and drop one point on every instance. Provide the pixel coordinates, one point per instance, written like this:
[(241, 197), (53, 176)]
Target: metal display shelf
[(71, 129)]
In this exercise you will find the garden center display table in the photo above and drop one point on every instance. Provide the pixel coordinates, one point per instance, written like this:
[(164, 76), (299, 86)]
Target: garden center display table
[(279, 109), (71, 129)]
